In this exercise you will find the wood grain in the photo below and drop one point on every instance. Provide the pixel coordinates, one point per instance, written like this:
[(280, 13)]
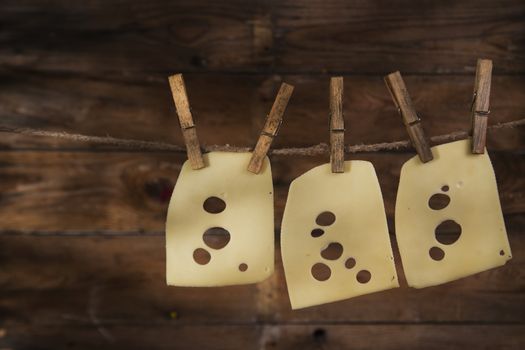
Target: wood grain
[(374, 37), (129, 191), (229, 109), (81, 241), (120, 280), (130, 40), (397, 88), (187, 125), (309, 337), (271, 128), (480, 105), (337, 125)]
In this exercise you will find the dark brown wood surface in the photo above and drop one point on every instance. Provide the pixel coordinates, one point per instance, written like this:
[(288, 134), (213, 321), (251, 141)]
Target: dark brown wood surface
[(82, 254), (129, 40), (232, 109), (129, 191), (366, 337)]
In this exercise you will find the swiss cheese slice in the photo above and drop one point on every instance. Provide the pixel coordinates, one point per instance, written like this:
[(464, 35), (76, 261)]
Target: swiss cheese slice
[(248, 255), (361, 259), (473, 205)]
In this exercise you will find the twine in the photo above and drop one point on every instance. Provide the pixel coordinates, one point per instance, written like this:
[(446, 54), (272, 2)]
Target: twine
[(319, 149)]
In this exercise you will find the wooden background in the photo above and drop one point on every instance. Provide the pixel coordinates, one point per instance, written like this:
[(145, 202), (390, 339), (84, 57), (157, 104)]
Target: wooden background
[(82, 227)]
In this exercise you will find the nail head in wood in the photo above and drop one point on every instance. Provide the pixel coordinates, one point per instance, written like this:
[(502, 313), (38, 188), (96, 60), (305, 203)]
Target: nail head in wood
[(480, 105), (397, 88), (337, 126), (271, 128), (189, 131)]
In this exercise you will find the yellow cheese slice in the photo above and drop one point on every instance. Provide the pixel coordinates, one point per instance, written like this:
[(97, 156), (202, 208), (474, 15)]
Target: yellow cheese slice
[(248, 255), (473, 205), (352, 254)]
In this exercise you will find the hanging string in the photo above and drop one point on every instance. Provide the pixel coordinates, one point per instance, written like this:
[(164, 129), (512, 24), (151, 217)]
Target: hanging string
[(318, 149)]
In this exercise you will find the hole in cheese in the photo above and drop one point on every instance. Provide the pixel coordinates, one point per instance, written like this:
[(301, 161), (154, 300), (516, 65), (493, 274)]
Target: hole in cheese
[(502, 252), (243, 267), (201, 256), (448, 232), (333, 251), (326, 218), (445, 188), (350, 263), (438, 201), (216, 237), (436, 253), (363, 276), (214, 205), (321, 272), (317, 232)]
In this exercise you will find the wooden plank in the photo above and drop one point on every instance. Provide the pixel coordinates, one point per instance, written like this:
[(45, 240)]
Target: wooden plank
[(149, 40), (481, 297), (122, 336), (320, 336), (129, 192), (389, 337), (80, 277), (229, 109), (78, 280), (130, 39), (369, 37)]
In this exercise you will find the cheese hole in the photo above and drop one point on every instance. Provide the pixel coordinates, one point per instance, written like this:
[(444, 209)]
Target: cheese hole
[(243, 267), (216, 237), (501, 252), (333, 251), (363, 276), (317, 232), (326, 218), (445, 188), (214, 205), (350, 263), (321, 272), (201, 256), (438, 201), (448, 232), (436, 253)]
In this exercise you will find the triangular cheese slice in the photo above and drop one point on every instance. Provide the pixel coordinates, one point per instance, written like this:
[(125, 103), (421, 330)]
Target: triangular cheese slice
[(334, 237), (244, 219), (469, 206)]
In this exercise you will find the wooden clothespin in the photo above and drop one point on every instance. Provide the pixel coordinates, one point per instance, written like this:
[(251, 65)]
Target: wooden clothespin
[(271, 128), (480, 105), (399, 93), (337, 126), (189, 131)]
